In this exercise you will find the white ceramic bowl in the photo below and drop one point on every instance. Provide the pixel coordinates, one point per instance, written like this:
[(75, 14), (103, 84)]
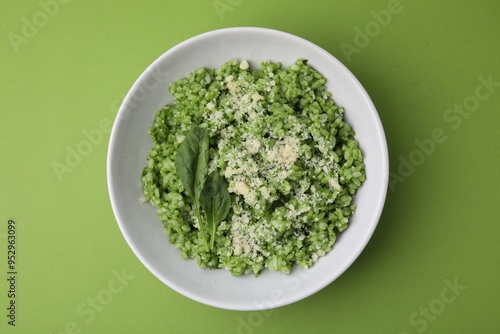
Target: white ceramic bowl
[(130, 142)]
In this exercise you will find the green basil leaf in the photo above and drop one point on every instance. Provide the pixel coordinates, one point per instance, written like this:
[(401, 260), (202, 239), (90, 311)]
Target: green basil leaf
[(215, 201), (191, 162)]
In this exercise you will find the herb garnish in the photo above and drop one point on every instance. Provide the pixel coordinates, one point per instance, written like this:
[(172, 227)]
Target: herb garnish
[(191, 163)]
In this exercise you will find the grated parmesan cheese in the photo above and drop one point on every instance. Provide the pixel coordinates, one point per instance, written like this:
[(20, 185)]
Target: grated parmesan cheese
[(252, 145), (244, 65), (335, 184), (210, 106), (241, 188)]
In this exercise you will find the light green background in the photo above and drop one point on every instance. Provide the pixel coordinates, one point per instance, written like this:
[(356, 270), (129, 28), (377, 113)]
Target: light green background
[(440, 225)]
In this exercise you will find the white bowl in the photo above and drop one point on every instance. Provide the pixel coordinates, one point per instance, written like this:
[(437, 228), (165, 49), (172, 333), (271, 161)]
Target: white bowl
[(130, 142)]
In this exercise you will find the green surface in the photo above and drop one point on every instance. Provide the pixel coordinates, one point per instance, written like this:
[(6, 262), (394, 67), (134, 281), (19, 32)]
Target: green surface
[(439, 228)]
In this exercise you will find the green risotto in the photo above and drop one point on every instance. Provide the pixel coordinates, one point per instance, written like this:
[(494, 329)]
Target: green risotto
[(280, 145)]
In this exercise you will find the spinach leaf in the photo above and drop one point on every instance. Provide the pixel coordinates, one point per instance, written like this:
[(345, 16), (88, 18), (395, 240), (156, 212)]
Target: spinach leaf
[(191, 163), (215, 201)]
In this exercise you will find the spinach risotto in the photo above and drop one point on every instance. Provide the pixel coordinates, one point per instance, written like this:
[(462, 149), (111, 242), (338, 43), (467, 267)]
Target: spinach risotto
[(252, 168)]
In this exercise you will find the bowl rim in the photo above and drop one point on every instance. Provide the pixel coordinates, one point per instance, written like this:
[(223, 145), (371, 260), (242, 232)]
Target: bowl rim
[(381, 194)]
